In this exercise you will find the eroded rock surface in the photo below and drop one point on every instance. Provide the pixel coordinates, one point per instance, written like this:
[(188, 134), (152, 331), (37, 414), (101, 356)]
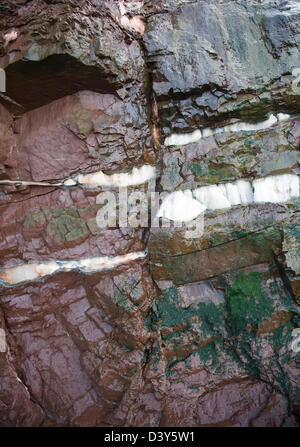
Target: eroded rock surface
[(146, 325)]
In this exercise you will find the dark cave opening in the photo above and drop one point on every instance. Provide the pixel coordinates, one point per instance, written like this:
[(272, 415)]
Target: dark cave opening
[(35, 84)]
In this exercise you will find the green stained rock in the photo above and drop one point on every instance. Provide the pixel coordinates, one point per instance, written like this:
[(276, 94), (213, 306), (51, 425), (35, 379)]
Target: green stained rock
[(198, 170), (122, 300), (291, 247), (66, 225), (248, 303), (206, 316), (37, 218)]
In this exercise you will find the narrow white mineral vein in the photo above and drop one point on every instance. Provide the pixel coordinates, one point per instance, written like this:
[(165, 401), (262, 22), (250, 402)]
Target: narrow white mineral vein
[(237, 127), (137, 176), (88, 265), (27, 183), (276, 189), (283, 116), (188, 138), (28, 272), (70, 182), (239, 192), (180, 139), (183, 206), (180, 206), (212, 197), (31, 272), (207, 132), (225, 195)]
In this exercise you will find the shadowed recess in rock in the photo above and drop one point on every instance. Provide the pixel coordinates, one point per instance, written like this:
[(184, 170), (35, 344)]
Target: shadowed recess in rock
[(33, 84)]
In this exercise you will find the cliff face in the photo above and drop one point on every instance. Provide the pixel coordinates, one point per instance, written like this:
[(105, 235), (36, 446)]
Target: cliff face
[(136, 324)]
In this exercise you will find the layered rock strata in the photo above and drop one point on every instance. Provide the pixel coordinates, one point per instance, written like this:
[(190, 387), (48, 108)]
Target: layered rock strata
[(187, 319)]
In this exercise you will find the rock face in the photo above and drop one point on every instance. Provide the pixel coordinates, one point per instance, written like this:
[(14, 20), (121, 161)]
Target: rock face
[(149, 322)]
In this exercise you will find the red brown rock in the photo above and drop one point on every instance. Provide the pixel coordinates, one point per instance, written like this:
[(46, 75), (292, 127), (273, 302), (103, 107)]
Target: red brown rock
[(198, 332)]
